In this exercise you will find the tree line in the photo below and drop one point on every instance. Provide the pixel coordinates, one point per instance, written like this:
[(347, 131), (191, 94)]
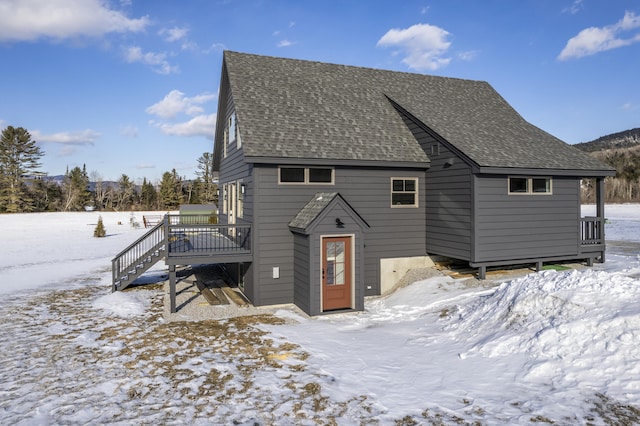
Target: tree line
[(624, 187), (24, 189), (622, 152)]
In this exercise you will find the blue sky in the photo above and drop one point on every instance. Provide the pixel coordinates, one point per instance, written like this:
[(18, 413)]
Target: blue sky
[(130, 86)]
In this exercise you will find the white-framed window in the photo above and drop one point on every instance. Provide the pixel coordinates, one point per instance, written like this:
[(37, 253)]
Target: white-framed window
[(232, 128), (225, 141), (292, 175), (224, 198), (404, 192), (238, 138), (523, 185)]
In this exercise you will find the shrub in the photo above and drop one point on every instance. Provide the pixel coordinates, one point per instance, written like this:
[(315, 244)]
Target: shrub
[(99, 232)]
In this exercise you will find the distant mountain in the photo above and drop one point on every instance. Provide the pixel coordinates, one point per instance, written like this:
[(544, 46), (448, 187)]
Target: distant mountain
[(59, 179), (626, 139)]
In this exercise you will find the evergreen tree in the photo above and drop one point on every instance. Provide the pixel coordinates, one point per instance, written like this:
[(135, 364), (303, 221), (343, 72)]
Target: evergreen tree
[(19, 156), (100, 230), (148, 195), (46, 196), (209, 189), (76, 190), (126, 193), (170, 191)]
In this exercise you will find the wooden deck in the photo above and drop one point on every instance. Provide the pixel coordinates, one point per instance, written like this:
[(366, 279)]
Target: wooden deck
[(182, 240)]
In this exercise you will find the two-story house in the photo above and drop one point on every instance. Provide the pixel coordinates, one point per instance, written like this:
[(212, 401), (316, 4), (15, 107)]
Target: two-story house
[(350, 176), (335, 180)]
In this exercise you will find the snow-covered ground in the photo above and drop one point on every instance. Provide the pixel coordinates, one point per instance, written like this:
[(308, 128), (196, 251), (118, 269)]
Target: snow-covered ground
[(556, 347)]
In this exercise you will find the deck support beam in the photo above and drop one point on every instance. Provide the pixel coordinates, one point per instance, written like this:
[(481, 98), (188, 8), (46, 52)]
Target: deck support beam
[(172, 287)]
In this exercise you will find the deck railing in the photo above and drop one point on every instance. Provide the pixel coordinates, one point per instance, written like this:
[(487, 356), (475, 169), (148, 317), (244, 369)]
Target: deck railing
[(591, 230), (190, 235)]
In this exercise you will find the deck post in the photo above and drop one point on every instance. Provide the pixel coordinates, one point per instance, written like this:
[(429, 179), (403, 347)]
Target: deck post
[(539, 266), (482, 272), (172, 287), (600, 210)]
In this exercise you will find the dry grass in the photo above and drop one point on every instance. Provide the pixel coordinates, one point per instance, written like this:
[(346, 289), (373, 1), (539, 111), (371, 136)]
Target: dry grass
[(166, 369)]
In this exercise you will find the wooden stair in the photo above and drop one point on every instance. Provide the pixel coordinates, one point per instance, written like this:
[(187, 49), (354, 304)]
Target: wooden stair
[(138, 257)]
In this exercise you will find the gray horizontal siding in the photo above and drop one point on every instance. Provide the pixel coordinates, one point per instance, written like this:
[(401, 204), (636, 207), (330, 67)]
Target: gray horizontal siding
[(511, 227), (393, 232), (448, 197), (449, 203)]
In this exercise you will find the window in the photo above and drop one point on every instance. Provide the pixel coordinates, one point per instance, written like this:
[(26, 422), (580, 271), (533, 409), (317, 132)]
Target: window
[(240, 201), (238, 138), (318, 175), (232, 128), (225, 141), (404, 192), (529, 185), (224, 198), (292, 175), (306, 175)]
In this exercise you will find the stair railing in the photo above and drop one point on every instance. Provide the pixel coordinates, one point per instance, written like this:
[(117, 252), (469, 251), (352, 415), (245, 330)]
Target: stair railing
[(146, 245)]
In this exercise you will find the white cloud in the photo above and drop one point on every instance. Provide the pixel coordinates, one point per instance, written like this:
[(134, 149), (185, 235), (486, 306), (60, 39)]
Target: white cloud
[(157, 61), (575, 7), (599, 39), (423, 46), (201, 125), (285, 43), (173, 34), (177, 103), (28, 20), (81, 137)]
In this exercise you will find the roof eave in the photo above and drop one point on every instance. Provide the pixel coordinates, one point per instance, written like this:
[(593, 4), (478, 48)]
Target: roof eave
[(424, 165), (546, 172)]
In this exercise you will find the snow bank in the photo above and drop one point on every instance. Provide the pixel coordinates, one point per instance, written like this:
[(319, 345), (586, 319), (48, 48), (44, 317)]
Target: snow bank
[(577, 327)]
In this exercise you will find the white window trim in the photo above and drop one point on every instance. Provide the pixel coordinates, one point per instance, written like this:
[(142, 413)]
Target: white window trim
[(415, 205), (306, 176), (231, 124), (529, 191), (224, 197), (225, 141), (240, 195)]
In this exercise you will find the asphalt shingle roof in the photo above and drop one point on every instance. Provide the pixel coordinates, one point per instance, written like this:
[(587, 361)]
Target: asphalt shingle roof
[(312, 209), (312, 110)]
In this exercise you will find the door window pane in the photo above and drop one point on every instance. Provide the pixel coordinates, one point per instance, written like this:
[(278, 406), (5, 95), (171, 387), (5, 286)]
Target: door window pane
[(335, 263)]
